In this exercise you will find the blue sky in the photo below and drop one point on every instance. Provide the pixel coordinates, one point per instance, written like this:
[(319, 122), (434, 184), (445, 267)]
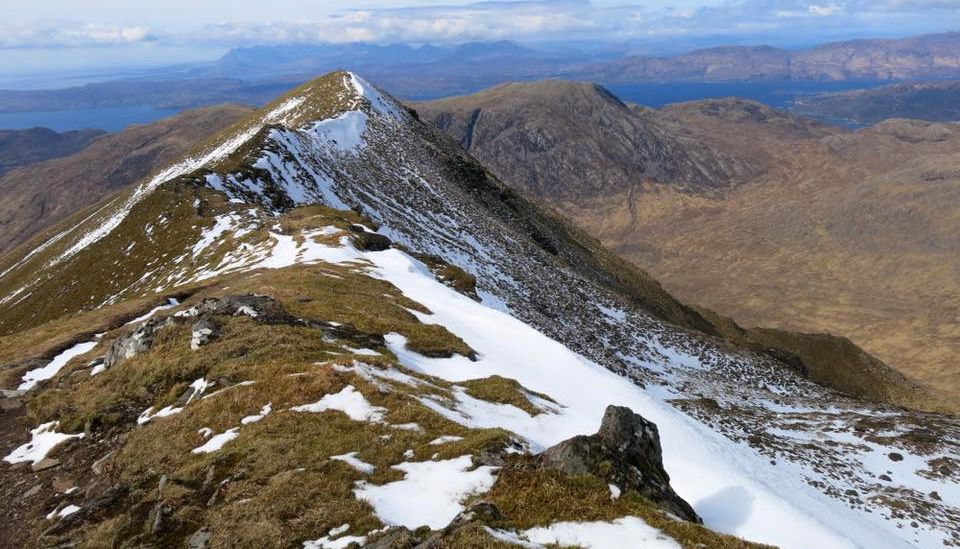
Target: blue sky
[(57, 34)]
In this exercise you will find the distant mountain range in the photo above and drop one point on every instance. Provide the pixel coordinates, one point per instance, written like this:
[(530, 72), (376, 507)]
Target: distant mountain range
[(928, 56), (252, 75)]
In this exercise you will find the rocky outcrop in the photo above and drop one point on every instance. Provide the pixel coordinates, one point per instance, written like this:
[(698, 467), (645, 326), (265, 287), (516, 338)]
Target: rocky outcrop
[(205, 328), (369, 241), (204, 331), (134, 343), (625, 452), (262, 308)]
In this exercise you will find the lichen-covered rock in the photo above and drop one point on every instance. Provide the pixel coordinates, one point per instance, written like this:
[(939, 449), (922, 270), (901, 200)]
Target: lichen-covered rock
[(625, 452), (134, 343), (203, 332), (261, 308)]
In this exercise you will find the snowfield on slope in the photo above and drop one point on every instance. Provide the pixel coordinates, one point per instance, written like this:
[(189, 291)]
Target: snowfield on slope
[(735, 490)]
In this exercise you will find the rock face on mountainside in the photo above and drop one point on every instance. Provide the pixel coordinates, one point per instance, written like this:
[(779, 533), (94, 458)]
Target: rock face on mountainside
[(23, 147), (626, 453), (44, 193), (936, 101), (534, 132), (346, 375), (809, 227)]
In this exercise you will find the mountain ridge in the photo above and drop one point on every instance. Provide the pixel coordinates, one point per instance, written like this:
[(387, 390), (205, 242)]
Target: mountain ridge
[(926, 56), (306, 338)]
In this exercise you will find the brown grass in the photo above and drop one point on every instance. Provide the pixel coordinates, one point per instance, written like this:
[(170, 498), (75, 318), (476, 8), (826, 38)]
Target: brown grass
[(530, 497)]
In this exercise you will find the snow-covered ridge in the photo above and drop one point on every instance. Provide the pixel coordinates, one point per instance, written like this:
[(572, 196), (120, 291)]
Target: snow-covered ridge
[(303, 162), (394, 179), (189, 165), (346, 128)]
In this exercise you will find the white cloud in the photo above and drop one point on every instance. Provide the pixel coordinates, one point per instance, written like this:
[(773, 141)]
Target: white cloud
[(481, 21), (824, 11), (456, 21), (47, 34)]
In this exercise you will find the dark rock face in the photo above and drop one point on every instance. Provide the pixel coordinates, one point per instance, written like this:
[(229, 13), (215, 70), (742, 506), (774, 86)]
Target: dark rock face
[(368, 241), (625, 452)]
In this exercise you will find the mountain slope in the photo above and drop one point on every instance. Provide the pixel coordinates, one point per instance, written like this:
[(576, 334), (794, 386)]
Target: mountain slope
[(534, 132), (826, 230), (44, 193), (22, 147), (424, 310)]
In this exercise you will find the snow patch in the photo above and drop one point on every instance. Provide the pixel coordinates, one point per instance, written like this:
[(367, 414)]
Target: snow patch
[(333, 540), (352, 460), (217, 442), (343, 133), (31, 378), (264, 412), (445, 439), (65, 511), (171, 303), (622, 532), (437, 487), (348, 401), (149, 414), (43, 439)]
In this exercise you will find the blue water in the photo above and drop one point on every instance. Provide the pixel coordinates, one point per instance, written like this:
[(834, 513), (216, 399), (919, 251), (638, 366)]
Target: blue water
[(109, 119), (774, 94)]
